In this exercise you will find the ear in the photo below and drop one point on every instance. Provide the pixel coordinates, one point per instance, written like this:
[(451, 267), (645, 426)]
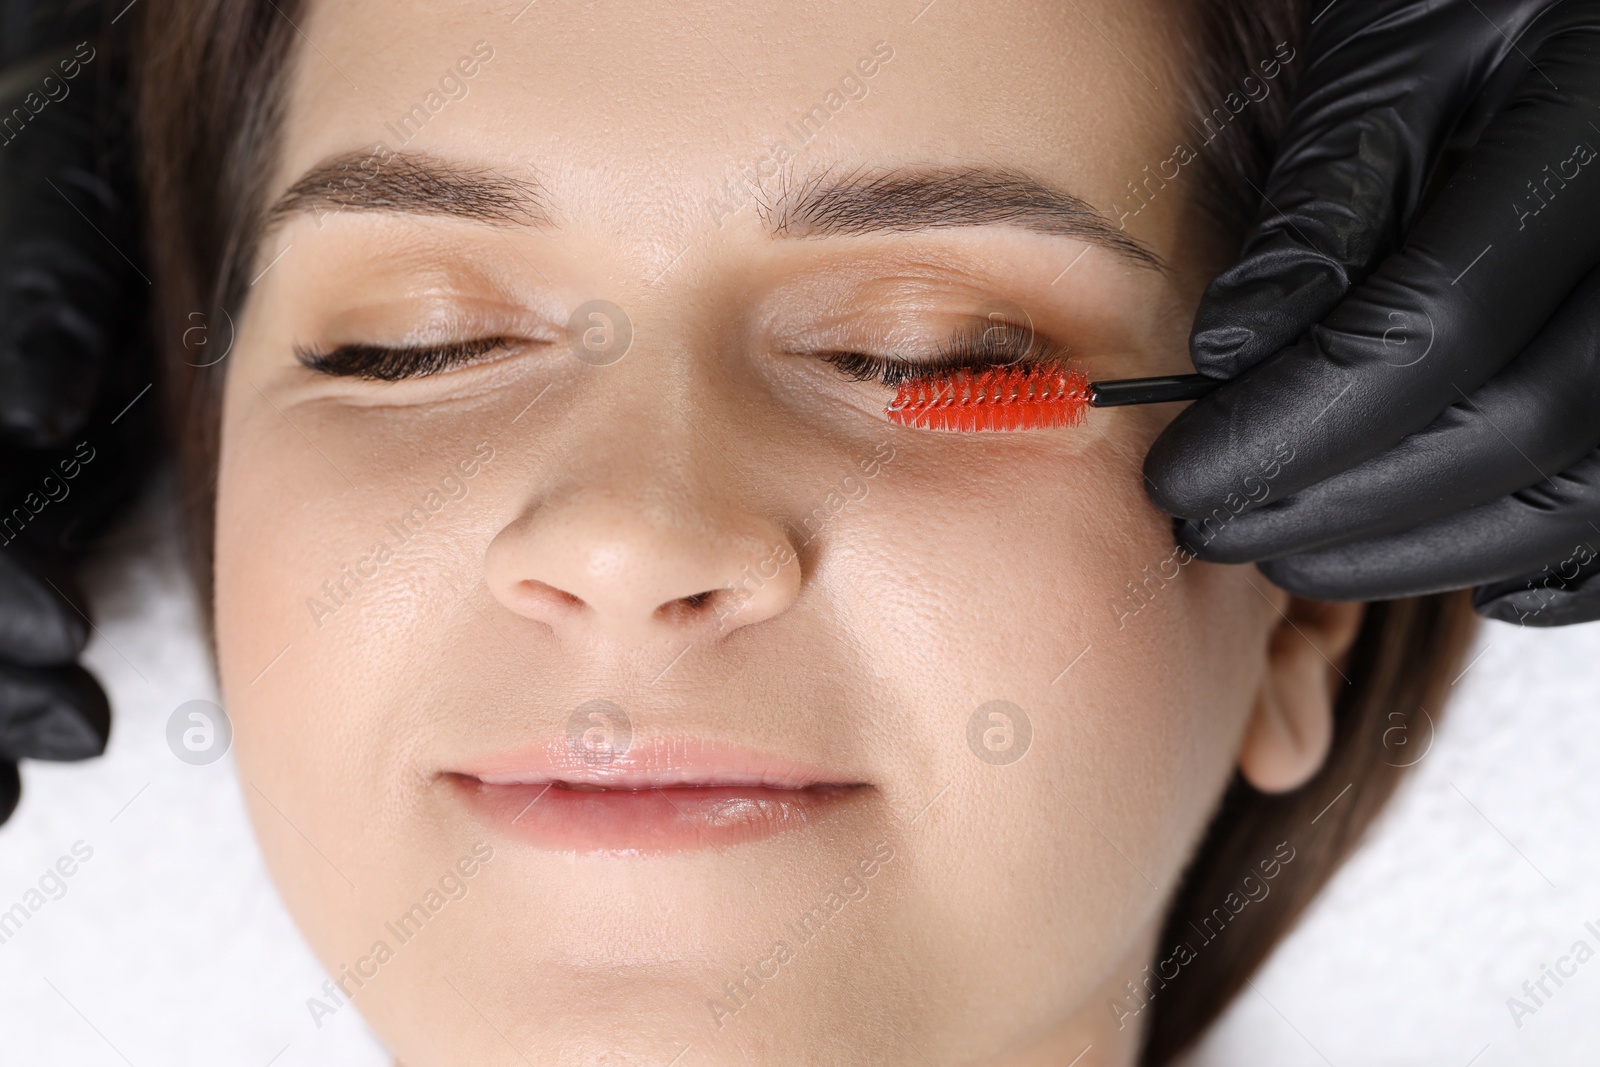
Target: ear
[(1291, 725)]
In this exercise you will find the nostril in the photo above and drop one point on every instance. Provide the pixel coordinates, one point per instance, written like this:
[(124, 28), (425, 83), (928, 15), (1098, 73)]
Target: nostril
[(688, 607), (534, 595)]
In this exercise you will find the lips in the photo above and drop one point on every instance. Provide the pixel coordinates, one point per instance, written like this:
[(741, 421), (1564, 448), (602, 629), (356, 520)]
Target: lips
[(665, 794)]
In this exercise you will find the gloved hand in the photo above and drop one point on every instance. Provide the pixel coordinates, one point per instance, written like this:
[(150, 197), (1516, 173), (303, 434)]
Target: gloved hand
[(1433, 422), (72, 360)]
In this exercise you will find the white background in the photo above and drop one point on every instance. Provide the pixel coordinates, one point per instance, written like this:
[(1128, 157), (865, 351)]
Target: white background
[(170, 946)]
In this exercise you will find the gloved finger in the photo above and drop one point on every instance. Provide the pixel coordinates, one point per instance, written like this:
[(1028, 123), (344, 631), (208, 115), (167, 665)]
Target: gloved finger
[(59, 714), (1387, 84), (10, 789), (33, 26), (1555, 523), (56, 294), (1562, 593), (1535, 418), (39, 626), (1473, 286), (66, 242)]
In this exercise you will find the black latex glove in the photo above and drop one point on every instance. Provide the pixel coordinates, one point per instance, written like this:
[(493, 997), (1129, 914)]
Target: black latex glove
[(1434, 422), (72, 359)]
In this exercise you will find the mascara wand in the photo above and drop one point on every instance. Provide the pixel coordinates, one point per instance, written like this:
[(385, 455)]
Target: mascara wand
[(1029, 398), (1167, 390)]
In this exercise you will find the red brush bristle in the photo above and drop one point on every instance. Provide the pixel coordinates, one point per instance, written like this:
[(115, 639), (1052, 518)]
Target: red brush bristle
[(994, 399)]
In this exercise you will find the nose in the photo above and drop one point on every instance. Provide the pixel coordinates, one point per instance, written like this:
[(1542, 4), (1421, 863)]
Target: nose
[(593, 564)]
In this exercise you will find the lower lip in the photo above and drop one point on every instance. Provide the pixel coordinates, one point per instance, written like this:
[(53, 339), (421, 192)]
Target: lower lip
[(680, 819)]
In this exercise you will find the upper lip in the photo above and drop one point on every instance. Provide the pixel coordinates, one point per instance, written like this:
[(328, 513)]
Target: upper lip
[(650, 763)]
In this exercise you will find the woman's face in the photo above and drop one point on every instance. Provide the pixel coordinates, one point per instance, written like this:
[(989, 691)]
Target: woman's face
[(628, 689)]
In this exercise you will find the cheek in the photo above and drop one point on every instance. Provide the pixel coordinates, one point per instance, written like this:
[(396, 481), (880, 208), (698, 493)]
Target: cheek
[(337, 577), (1033, 590)]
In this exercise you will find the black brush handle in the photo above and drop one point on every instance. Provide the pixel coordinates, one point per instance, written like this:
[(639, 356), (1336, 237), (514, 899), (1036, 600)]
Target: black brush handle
[(1151, 390)]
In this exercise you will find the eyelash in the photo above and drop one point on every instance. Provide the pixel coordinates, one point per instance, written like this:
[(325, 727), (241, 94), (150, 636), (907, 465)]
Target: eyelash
[(972, 347), (394, 364)]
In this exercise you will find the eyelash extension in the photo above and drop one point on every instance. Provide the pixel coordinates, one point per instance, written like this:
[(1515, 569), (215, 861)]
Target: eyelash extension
[(995, 377), (973, 347), (394, 364)]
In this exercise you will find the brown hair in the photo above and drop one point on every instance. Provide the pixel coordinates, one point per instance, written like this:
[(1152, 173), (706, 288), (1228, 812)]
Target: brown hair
[(210, 99), (209, 78)]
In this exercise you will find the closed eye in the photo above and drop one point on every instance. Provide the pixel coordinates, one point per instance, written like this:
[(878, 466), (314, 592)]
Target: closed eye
[(975, 347), (393, 364)]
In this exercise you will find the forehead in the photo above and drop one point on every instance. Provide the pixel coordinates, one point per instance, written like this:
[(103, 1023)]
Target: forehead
[(619, 107)]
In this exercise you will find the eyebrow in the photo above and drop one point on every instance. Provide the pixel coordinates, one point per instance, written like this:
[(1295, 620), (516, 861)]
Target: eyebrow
[(919, 198), (896, 200), (411, 183)]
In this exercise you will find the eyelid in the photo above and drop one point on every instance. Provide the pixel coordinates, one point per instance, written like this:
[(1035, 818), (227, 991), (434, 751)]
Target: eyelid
[(395, 363), (972, 346)]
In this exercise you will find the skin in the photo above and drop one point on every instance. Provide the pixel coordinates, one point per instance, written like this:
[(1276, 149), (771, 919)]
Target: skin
[(969, 567)]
